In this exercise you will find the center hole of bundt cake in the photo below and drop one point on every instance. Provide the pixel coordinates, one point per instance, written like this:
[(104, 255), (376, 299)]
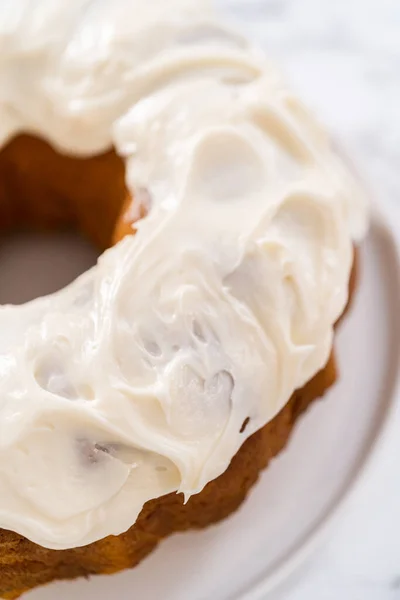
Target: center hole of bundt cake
[(44, 190), (36, 264)]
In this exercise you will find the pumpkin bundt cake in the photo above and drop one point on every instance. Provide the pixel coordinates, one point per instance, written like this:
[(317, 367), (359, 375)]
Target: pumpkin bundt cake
[(146, 397)]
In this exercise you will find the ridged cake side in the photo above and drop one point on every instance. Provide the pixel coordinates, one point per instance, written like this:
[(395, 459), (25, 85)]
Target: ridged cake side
[(24, 565), (42, 189)]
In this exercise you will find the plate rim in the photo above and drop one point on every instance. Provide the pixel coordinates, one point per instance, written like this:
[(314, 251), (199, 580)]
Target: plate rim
[(262, 586)]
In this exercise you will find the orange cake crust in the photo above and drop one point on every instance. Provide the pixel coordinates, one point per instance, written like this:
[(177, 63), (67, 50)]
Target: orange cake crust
[(24, 565)]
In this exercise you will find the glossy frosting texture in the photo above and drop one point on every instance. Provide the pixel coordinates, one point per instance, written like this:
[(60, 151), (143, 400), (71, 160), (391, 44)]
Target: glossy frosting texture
[(135, 380)]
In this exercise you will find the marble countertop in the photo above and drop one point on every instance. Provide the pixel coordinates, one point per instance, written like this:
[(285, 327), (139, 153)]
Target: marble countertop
[(343, 58)]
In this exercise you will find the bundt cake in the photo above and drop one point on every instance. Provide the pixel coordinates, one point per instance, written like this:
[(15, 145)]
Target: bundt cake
[(146, 397)]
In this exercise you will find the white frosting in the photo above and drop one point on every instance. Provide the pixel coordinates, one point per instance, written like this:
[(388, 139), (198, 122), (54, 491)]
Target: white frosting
[(135, 380)]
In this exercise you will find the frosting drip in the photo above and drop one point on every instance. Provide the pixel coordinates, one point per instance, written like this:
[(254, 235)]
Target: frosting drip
[(135, 380)]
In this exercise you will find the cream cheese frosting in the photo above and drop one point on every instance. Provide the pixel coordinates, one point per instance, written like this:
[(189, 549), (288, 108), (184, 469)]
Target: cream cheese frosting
[(136, 379)]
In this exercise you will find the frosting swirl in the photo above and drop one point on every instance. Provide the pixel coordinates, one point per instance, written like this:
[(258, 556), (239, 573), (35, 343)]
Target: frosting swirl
[(135, 381)]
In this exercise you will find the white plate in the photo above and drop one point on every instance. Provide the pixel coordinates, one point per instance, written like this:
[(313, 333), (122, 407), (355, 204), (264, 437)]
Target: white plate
[(250, 553)]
